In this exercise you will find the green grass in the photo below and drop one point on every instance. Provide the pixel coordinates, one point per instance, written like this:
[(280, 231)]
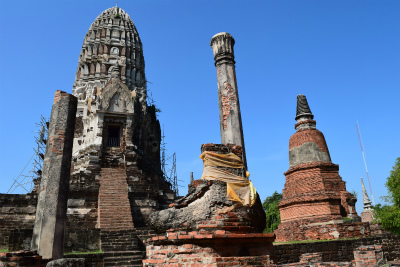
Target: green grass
[(85, 252), (312, 241), (4, 250)]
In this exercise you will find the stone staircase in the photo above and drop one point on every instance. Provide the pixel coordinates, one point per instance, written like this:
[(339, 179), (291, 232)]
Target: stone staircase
[(121, 248), (119, 239), (114, 208)]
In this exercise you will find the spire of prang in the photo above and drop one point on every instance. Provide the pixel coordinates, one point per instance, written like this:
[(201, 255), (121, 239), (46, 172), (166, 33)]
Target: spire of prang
[(307, 144), (366, 200), (303, 111), (304, 116)]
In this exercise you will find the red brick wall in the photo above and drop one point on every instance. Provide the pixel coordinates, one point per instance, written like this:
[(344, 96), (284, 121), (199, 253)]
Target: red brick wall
[(316, 211), (369, 256)]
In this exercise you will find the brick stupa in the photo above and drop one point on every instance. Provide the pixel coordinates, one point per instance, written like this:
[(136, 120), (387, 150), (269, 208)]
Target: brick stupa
[(315, 200)]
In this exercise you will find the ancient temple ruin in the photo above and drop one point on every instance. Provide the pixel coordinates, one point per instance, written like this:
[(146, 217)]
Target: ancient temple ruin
[(116, 180), (121, 207), (117, 135), (315, 198)]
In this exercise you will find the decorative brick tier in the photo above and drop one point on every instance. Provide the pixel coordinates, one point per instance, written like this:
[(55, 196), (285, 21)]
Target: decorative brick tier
[(315, 190), (22, 258), (114, 208), (206, 248), (315, 200)]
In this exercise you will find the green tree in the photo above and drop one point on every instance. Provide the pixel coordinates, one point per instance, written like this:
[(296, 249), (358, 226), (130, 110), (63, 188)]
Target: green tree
[(389, 215), (270, 206)]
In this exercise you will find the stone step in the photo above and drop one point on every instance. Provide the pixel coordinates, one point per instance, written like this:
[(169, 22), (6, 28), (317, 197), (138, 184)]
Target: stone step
[(122, 264), (120, 239), (118, 234), (123, 258), (126, 243), (111, 233), (115, 209), (125, 240), (107, 254), (120, 248)]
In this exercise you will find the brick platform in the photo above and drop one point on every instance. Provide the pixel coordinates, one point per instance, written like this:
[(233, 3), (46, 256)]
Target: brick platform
[(209, 249), (205, 228)]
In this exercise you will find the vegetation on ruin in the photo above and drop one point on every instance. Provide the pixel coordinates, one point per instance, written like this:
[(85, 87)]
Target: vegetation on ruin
[(346, 219), (85, 252), (153, 110), (354, 193), (273, 217), (389, 214)]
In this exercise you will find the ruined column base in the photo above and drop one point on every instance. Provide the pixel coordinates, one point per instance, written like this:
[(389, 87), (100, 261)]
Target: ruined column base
[(210, 249)]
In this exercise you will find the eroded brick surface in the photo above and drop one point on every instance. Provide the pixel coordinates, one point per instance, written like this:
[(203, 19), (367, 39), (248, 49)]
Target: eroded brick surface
[(315, 198)]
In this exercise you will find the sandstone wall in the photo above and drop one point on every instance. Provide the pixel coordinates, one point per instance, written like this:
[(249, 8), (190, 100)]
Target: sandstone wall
[(17, 212)]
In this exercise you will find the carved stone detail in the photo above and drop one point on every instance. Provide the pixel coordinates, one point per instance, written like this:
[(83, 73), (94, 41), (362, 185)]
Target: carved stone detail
[(116, 88)]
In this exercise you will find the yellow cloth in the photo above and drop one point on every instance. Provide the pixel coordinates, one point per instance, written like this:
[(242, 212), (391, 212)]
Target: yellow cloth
[(239, 189)]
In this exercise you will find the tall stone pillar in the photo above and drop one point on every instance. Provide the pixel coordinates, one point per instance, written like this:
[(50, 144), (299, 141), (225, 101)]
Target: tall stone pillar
[(48, 232), (228, 97)]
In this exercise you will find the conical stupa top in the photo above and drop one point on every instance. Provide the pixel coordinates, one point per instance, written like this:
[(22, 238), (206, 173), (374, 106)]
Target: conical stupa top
[(303, 110), (112, 40), (366, 200)]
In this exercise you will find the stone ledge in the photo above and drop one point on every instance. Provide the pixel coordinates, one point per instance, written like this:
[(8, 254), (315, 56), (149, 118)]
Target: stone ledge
[(310, 165), (199, 236)]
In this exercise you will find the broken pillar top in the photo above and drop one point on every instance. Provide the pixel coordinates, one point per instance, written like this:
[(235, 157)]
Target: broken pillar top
[(222, 45)]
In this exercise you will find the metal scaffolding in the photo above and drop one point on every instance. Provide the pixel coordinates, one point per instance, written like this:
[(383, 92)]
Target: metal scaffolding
[(24, 181), (170, 174)]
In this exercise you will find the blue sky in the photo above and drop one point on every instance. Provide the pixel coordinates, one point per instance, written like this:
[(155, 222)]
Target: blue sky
[(343, 55)]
